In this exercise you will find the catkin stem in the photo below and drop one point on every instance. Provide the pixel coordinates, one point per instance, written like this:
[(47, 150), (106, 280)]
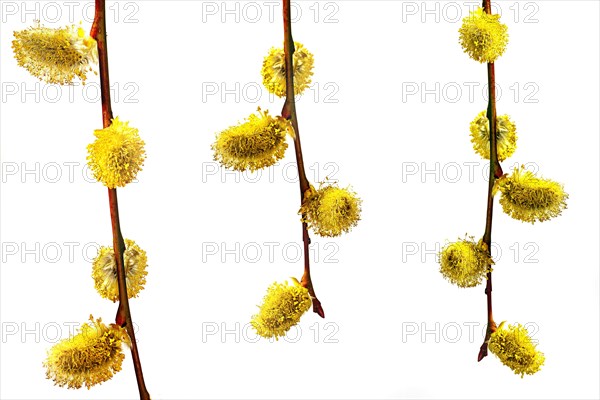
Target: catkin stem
[(289, 112), (495, 172), (123, 318)]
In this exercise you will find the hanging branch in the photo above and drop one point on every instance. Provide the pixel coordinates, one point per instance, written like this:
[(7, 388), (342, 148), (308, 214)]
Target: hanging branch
[(289, 112), (495, 172), (123, 317)]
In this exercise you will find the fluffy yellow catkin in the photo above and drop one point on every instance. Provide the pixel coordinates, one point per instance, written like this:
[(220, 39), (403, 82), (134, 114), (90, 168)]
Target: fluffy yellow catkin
[(527, 198), (330, 211), (465, 263), (117, 154), (104, 271), (90, 357), (55, 55), (513, 346), (255, 144), (281, 309), (482, 36), (506, 136), (273, 70)]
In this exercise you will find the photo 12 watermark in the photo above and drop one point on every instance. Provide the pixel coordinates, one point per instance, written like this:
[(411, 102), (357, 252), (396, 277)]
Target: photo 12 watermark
[(50, 332), (279, 172), (67, 12), (526, 12), (53, 172), (40, 92), (252, 12), (48, 252), (427, 252), (454, 172), (236, 332), (468, 92), (269, 252), (253, 92), (452, 332)]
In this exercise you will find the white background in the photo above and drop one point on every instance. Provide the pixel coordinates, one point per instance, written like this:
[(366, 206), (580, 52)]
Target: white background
[(396, 328)]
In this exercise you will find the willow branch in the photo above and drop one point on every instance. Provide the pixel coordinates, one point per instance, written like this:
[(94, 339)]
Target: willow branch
[(289, 112), (495, 172), (123, 318)]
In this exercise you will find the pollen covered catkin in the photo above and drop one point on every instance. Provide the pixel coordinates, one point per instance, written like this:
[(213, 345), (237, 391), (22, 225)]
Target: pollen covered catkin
[(273, 70), (330, 210), (465, 263), (104, 271), (506, 136), (527, 198), (257, 143), (513, 346), (117, 154), (482, 36), (55, 55), (90, 357), (282, 307)]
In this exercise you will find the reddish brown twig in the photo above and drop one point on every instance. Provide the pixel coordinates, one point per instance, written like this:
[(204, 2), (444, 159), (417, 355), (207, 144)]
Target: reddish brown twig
[(289, 112), (495, 172), (123, 317)]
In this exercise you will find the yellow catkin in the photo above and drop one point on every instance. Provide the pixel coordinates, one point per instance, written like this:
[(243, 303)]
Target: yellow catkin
[(117, 154), (527, 198), (506, 136), (482, 36), (330, 211), (273, 70), (55, 55), (90, 357), (104, 271), (465, 263), (281, 309), (513, 346), (255, 144)]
